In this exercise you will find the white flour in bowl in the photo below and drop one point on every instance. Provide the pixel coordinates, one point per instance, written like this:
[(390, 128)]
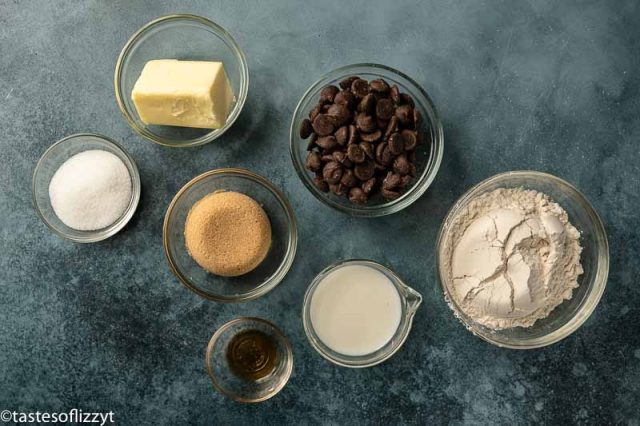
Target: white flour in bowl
[(512, 256)]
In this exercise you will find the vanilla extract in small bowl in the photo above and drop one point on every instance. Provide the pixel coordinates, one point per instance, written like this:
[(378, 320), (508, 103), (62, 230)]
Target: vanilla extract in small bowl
[(249, 359), (252, 355)]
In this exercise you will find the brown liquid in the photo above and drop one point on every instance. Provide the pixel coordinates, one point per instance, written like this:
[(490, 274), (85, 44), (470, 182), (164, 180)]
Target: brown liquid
[(252, 355)]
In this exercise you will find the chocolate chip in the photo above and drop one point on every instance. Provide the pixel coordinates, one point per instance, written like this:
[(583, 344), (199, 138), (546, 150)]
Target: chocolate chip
[(315, 111), (391, 181), (312, 141), (380, 167), (305, 128), (401, 165), (340, 113), (379, 150), (348, 179), (326, 158), (338, 189), (364, 171), (404, 113), (389, 195), (313, 162), (342, 134), (382, 124), (367, 105), (406, 99), (328, 93), (355, 153), (413, 171), (371, 137), (405, 181), (324, 125), (346, 83), (332, 172), (394, 93), (379, 86), (357, 196), (391, 127), (327, 143), (417, 119), (384, 109), (410, 139), (320, 183), (396, 144), (345, 98), (368, 186), (360, 88), (368, 150), (365, 123), (347, 163), (339, 156), (353, 134)]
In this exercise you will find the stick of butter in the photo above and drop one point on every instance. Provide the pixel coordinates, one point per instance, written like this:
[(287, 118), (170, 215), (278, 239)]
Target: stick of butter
[(183, 93)]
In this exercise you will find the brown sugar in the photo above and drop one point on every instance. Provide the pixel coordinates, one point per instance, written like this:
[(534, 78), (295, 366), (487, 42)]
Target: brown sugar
[(227, 233)]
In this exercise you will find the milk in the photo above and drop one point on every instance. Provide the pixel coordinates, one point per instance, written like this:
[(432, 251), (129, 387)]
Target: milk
[(355, 310)]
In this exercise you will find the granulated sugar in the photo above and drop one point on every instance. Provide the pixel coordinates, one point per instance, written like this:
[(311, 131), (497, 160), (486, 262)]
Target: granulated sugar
[(91, 190), (512, 257)]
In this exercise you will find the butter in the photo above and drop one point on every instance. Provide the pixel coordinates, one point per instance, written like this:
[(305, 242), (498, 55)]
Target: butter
[(183, 93)]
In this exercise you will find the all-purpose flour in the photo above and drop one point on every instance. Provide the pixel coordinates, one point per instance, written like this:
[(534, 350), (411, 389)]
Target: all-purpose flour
[(512, 257)]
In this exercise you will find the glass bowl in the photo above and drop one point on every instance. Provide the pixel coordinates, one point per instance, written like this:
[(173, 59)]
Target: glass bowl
[(49, 163), (252, 284), (428, 155), (570, 314), (238, 388), (186, 37), (409, 299)]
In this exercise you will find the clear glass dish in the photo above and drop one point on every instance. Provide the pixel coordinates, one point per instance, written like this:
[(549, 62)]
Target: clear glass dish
[(49, 163), (571, 314), (244, 287), (186, 37), (409, 298), (235, 387), (429, 154)]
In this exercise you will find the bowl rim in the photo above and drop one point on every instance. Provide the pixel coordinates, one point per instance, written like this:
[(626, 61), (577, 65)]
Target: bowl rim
[(423, 182), (591, 299), (117, 226), (285, 264), (242, 92), (412, 300), (283, 381)]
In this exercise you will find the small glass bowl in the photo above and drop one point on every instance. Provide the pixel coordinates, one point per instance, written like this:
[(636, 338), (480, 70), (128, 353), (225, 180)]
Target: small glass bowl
[(185, 37), (49, 163), (235, 387), (429, 154), (252, 284), (409, 298), (570, 314)]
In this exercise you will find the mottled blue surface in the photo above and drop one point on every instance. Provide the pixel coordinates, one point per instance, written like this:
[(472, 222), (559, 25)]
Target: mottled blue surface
[(550, 86)]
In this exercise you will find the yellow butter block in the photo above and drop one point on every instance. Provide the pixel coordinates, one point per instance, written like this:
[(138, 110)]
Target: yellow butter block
[(183, 93)]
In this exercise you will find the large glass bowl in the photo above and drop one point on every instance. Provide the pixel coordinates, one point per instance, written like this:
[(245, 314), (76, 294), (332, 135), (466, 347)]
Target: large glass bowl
[(410, 301), (253, 284), (572, 313), (429, 153), (49, 163), (186, 37)]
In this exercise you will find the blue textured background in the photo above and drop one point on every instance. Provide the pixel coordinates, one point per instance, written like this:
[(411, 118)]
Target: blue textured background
[(550, 86)]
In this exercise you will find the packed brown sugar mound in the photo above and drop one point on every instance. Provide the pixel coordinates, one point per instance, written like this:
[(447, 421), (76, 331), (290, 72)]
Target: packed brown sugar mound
[(227, 233)]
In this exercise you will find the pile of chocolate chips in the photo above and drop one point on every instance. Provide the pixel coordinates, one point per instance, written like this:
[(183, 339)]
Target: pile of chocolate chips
[(362, 139)]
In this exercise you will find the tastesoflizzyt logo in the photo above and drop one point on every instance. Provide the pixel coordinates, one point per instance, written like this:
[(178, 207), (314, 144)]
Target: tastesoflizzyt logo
[(72, 416)]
